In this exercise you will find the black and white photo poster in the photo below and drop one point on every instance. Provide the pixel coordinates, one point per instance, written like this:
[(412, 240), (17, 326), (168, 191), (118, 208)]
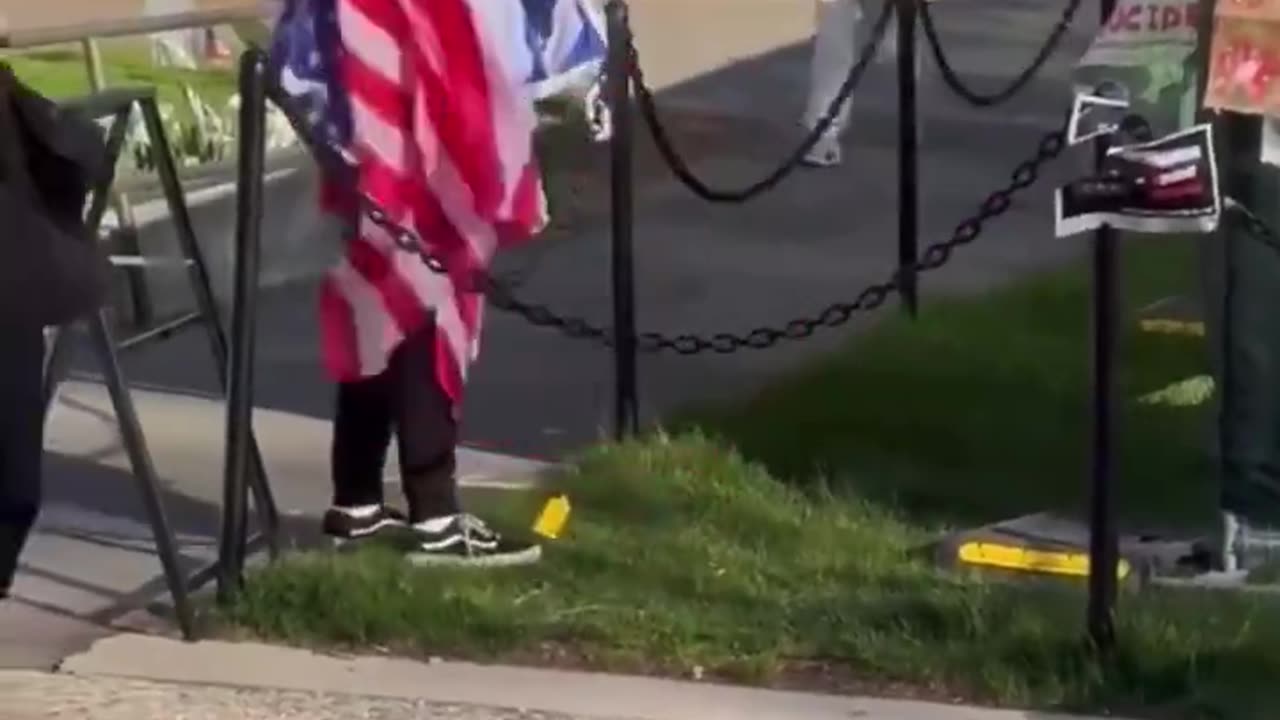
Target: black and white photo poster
[(1162, 186)]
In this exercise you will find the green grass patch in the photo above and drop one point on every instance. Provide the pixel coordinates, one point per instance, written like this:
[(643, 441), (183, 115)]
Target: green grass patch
[(979, 409), (776, 542), (60, 72)]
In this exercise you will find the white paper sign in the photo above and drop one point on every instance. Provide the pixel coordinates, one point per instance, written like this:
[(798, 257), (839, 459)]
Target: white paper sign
[(1094, 116), (1162, 186)]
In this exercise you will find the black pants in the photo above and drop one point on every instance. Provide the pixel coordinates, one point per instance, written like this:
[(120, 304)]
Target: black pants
[(21, 441), (407, 399)]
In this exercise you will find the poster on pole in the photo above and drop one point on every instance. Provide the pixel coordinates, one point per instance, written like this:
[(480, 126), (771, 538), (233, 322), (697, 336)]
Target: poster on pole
[(1167, 185), (1244, 66)]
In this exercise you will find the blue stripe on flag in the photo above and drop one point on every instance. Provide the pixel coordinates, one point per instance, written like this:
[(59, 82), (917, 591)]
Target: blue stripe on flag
[(565, 41)]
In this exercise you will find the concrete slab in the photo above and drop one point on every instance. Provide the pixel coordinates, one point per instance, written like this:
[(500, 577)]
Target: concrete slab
[(91, 564), (34, 696), (574, 694)]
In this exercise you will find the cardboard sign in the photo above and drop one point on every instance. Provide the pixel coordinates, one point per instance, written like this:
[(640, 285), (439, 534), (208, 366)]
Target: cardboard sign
[(1244, 68), (1140, 31), (1147, 46), (1163, 186)]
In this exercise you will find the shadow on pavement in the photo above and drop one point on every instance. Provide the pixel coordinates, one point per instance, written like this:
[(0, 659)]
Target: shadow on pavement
[(93, 555)]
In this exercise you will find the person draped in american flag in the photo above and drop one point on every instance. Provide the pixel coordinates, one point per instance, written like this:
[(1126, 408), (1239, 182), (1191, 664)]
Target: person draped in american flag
[(420, 112)]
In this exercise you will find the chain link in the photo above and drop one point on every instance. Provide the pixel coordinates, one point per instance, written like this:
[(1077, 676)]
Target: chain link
[(666, 147), (834, 315), (872, 297), (979, 99)]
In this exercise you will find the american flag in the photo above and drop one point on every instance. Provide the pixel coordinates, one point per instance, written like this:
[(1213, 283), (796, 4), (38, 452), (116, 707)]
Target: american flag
[(424, 110)]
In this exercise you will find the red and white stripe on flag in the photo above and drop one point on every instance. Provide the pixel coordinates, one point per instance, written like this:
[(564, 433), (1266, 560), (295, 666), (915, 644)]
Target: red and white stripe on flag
[(442, 132)]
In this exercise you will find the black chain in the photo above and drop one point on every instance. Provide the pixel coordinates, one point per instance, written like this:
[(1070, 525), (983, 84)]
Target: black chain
[(834, 315), (979, 99), (662, 139), (839, 313)]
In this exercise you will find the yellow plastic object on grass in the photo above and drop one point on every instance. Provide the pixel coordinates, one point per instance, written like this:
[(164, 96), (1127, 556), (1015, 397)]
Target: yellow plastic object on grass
[(1008, 557), (553, 518)]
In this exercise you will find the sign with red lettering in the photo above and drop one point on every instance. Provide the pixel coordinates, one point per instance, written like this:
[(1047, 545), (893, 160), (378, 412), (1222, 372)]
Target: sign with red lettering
[(1144, 45), (1244, 69), (1152, 17)]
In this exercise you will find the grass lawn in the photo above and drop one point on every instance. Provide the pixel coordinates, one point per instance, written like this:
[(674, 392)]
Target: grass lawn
[(772, 542), (59, 72), (979, 411)]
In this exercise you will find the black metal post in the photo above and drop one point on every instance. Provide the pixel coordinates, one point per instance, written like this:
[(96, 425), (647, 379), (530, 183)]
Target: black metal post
[(618, 77), (1104, 542), (144, 472), (239, 434), (1103, 535), (206, 303), (908, 160)]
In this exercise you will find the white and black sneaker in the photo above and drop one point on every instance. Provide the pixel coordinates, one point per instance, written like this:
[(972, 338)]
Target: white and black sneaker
[(466, 541), (347, 524)]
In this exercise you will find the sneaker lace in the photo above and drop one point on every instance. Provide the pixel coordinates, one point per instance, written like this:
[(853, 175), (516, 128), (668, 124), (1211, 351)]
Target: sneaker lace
[(475, 531)]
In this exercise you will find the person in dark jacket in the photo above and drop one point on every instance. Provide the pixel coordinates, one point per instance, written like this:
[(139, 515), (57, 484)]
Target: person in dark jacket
[(21, 439), (50, 274)]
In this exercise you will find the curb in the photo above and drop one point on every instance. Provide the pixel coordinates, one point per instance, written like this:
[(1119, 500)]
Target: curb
[(251, 665)]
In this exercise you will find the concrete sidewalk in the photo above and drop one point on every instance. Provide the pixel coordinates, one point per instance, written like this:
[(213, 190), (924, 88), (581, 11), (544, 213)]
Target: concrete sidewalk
[(91, 562), (132, 677)]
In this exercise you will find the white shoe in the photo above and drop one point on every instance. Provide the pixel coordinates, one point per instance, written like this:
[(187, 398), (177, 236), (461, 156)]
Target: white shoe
[(825, 153)]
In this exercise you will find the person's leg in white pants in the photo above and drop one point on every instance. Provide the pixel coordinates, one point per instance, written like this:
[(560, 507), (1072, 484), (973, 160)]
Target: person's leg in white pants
[(835, 49)]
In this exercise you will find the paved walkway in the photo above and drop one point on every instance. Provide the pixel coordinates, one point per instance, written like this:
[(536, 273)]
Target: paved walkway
[(820, 237), (146, 678)]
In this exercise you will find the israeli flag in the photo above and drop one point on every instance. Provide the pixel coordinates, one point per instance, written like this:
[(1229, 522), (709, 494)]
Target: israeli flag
[(566, 44)]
